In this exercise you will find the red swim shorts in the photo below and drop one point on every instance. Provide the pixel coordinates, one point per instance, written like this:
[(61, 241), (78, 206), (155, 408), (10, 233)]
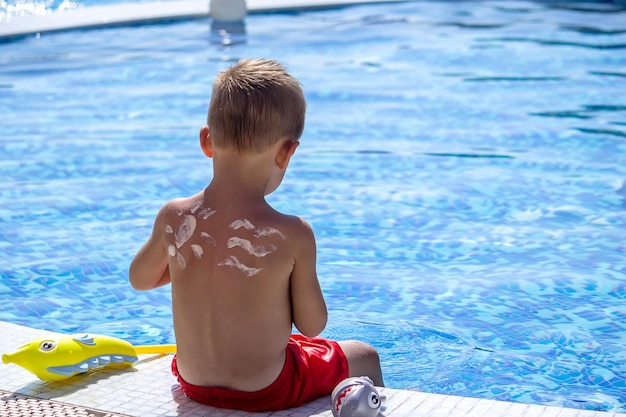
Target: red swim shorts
[(313, 367)]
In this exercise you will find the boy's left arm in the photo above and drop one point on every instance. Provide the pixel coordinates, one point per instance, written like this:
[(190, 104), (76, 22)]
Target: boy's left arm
[(149, 268), (308, 307)]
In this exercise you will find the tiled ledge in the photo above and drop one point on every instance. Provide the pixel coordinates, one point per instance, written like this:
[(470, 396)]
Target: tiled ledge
[(144, 12), (149, 390)]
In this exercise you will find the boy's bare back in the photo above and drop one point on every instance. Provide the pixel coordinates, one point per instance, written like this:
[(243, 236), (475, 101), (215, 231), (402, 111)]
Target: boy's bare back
[(235, 265)]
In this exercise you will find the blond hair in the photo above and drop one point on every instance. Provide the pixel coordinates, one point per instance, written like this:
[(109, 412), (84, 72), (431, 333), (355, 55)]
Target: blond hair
[(254, 104)]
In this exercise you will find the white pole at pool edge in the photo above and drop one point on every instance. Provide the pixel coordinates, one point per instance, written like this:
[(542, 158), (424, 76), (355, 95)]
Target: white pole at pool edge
[(227, 10)]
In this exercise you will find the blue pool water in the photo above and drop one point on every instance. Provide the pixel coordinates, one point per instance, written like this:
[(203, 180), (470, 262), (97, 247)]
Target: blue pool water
[(463, 167)]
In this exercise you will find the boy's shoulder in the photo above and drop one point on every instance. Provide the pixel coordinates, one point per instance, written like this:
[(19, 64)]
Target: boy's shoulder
[(291, 221), (299, 231), (181, 205)]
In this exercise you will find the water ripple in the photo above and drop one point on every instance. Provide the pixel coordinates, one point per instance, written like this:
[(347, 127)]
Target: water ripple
[(609, 73), (612, 132), (554, 42), (589, 30), (513, 78)]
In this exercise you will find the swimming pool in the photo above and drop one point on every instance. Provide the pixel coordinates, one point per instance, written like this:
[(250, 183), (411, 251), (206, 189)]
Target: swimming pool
[(463, 167)]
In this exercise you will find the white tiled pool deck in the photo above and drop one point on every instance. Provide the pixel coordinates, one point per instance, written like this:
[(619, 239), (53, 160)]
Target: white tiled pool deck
[(149, 390)]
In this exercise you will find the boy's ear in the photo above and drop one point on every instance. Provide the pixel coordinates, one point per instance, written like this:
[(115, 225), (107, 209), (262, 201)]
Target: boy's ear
[(205, 141), (285, 153)]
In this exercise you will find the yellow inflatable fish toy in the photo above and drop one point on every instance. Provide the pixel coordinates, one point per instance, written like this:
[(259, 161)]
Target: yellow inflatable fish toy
[(56, 357)]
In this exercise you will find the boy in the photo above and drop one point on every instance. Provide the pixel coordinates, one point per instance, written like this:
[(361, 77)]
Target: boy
[(241, 272)]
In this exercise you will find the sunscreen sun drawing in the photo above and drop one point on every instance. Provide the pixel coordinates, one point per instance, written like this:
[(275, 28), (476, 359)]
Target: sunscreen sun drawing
[(251, 248), (208, 238), (196, 206), (206, 213), (268, 231), (181, 260), (245, 223), (258, 251), (233, 261), (185, 231), (181, 235), (197, 250)]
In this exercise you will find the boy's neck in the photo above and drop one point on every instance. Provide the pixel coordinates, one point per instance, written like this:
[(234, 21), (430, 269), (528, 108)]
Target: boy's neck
[(242, 178), (229, 190)]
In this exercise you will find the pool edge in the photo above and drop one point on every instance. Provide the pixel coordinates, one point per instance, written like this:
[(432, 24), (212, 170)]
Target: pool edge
[(149, 390), (128, 14)]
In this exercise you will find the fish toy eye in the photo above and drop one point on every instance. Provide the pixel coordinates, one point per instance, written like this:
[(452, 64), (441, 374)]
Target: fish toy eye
[(47, 346), (373, 400)]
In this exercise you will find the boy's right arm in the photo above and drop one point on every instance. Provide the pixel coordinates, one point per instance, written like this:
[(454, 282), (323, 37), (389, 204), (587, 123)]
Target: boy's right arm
[(307, 301), (149, 268)]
